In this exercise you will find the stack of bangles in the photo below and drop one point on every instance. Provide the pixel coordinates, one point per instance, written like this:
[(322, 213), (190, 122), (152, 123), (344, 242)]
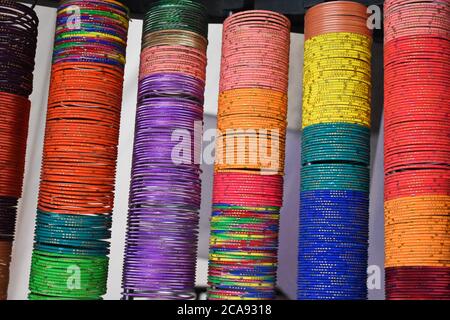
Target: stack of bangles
[(70, 256), (334, 196), (18, 39), (248, 180), (417, 149), (165, 192)]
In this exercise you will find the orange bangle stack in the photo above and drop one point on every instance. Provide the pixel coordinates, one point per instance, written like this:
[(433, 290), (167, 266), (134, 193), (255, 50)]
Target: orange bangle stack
[(81, 140), (248, 182), (18, 29)]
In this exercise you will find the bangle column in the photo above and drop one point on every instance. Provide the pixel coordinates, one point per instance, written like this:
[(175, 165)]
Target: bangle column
[(249, 168), (76, 195), (334, 197), (18, 29), (417, 149), (165, 193)]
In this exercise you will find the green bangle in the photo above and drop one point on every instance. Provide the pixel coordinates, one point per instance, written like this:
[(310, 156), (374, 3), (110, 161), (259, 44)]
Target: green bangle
[(50, 276)]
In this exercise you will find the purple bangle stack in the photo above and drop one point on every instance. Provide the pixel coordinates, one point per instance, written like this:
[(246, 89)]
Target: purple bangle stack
[(165, 191), (18, 40)]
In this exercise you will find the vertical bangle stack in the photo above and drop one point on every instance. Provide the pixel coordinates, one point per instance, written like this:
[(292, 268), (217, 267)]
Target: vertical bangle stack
[(18, 39), (334, 198), (417, 149), (70, 257), (165, 191), (248, 180)]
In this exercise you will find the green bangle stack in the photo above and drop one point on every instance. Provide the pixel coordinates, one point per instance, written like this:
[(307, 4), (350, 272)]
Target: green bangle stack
[(67, 276), (335, 176), (338, 142), (73, 234), (183, 15)]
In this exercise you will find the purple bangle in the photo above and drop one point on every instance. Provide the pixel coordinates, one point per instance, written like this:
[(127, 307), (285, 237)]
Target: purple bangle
[(160, 254)]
